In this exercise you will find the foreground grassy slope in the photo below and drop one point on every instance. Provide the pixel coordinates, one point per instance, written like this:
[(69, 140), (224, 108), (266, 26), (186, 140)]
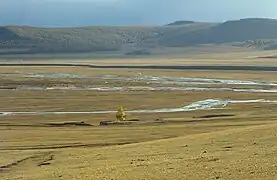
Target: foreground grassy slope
[(243, 33)]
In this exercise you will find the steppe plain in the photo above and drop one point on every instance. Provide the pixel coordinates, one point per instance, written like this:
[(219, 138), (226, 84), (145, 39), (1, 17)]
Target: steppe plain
[(228, 141)]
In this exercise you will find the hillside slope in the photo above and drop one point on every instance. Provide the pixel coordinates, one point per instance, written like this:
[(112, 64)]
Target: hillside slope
[(259, 33), (230, 31), (243, 153)]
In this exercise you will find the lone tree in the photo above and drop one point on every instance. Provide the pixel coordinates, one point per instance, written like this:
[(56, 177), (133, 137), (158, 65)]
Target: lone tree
[(121, 115)]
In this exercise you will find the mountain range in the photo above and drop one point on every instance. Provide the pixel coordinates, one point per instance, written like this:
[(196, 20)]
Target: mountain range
[(251, 33)]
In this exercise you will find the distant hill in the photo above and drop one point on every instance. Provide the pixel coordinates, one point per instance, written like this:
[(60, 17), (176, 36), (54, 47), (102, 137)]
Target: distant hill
[(179, 23), (230, 31), (254, 33)]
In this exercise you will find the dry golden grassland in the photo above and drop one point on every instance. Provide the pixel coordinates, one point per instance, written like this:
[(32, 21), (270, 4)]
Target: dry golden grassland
[(183, 145), (234, 58)]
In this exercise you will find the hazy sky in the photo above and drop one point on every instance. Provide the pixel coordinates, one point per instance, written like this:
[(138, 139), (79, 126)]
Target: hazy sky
[(51, 13)]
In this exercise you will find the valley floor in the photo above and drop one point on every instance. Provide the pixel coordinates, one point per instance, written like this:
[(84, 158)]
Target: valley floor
[(225, 141)]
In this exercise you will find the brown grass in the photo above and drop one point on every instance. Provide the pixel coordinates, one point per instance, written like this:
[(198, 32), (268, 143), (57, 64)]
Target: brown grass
[(229, 57), (184, 146)]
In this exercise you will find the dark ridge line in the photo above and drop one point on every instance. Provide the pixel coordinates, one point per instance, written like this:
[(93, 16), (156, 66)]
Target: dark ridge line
[(12, 148), (7, 166), (226, 68), (16, 163), (215, 116), (268, 57), (45, 126), (65, 146)]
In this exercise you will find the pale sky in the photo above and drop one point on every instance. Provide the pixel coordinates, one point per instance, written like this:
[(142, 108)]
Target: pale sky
[(64, 13)]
